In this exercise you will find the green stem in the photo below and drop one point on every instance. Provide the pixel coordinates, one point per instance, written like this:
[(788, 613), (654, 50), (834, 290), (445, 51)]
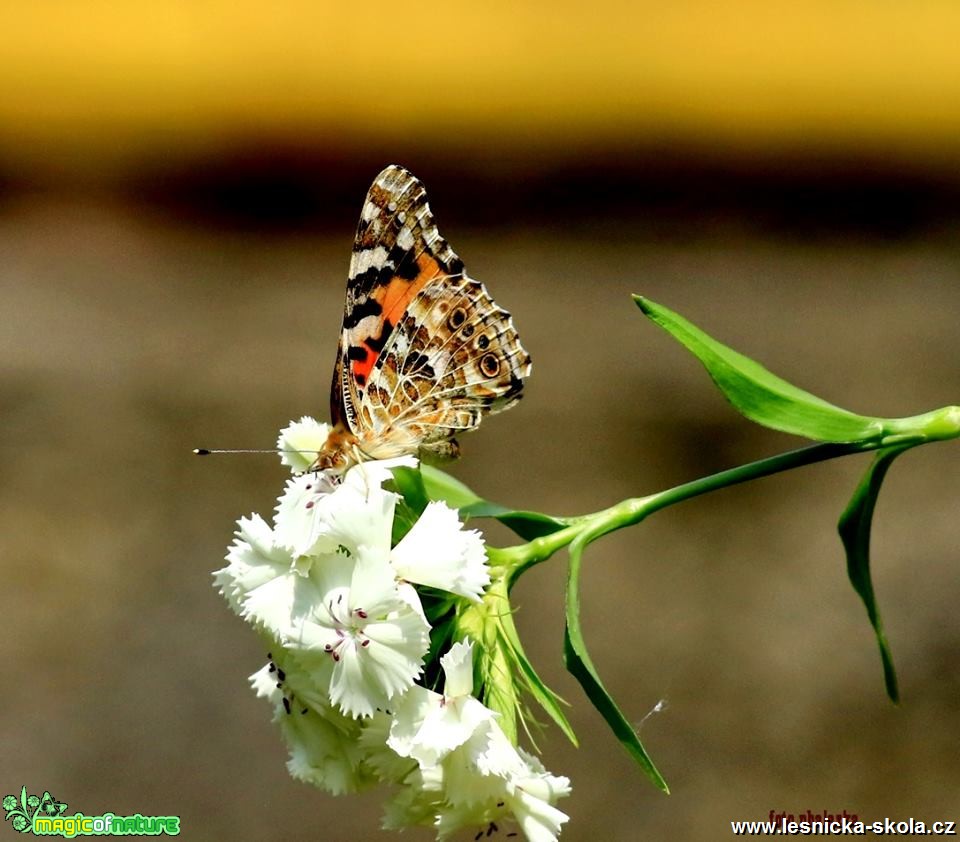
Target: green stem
[(752, 470), (515, 560)]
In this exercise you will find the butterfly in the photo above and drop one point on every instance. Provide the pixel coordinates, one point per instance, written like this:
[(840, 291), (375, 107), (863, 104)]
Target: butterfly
[(424, 351)]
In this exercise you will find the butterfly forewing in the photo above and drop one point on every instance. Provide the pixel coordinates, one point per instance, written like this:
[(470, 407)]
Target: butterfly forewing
[(424, 351)]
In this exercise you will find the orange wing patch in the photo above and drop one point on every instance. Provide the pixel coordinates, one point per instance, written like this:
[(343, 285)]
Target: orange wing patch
[(396, 295), (393, 298)]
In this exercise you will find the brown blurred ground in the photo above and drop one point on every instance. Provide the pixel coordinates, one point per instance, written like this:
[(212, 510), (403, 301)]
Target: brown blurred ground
[(178, 192)]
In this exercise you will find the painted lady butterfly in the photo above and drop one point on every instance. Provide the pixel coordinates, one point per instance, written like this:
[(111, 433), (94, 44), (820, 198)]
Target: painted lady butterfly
[(424, 351)]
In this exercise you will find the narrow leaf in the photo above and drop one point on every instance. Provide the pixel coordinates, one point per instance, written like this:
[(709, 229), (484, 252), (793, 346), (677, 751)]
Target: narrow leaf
[(578, 663), (528, 525), (439, 485), (854, 528), (543, 695), (759, 394)]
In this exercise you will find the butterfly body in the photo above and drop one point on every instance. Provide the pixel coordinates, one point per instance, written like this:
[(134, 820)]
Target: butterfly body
[(424, 351)]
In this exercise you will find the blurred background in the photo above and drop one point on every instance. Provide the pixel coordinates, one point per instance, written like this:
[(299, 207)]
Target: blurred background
[(179, 185)]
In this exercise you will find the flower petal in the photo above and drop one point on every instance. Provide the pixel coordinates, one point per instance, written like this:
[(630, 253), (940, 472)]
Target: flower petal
[(252, 560), (312, 516), (438, 552), (322, 754), (457, 666), (538, 818), (374, 473), (298, 525), (300, 441)]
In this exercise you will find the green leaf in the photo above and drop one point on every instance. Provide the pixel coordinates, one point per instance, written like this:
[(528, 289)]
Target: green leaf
[(413, 500), (759, 394), (409, 483), (854, 528), (578, 663), (439, 485), (528, 525)]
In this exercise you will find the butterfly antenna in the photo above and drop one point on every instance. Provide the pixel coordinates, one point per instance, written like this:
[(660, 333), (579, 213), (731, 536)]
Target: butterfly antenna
[(204, 451)]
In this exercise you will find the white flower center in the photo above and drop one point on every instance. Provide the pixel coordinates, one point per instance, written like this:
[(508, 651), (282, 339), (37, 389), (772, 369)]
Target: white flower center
[(347, 624)]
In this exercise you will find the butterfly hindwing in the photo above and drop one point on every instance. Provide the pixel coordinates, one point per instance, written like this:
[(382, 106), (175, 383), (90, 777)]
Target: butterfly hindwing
[(454, 357)]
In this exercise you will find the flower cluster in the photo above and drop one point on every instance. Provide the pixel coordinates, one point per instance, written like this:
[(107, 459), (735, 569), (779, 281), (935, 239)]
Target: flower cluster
[(362, 691)]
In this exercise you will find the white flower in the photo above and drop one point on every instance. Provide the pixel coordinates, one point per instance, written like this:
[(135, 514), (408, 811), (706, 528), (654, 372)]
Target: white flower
[(362, 629), (336, 605), (359, 633), (300, 442), (487, 780), (313, 515), (530, 798), (427, 726), (438, 552), (416, 804), (385, 763), (324, 746), (471, 775), (259, 579), (368, 475)]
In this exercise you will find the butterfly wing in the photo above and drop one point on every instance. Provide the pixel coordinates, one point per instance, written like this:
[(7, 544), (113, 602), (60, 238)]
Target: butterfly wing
[(424, 351), (397, 250)]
